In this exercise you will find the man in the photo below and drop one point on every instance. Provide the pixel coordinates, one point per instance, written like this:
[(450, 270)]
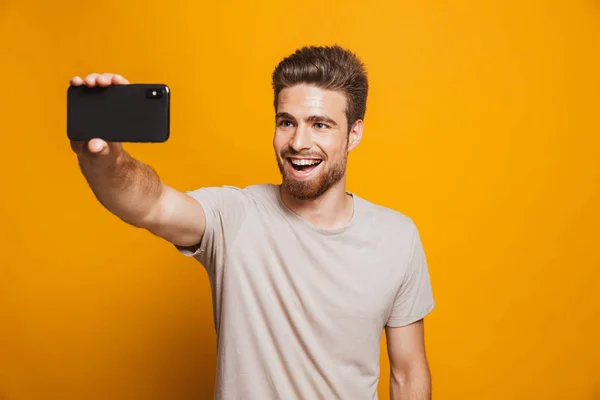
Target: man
[(305, 276)]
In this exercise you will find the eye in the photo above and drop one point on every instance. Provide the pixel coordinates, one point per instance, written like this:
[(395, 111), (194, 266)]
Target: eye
[(321, 126), (285, 123)]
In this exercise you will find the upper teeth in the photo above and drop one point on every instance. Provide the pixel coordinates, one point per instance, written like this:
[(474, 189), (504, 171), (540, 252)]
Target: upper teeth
[(305, 162)]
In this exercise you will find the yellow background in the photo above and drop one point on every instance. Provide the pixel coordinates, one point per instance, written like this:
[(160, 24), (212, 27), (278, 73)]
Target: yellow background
[(482, 125)]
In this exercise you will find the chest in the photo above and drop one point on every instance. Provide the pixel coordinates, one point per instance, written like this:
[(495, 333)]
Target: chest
[(338, 282)]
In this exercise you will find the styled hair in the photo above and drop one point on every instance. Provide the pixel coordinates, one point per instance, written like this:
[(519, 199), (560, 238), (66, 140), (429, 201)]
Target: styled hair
[(327, 67)]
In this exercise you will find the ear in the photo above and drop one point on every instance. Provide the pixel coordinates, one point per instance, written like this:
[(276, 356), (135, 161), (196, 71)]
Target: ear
[(355, 135)]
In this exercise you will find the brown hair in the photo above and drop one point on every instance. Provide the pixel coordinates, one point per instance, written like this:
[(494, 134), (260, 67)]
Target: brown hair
[(328, 67)]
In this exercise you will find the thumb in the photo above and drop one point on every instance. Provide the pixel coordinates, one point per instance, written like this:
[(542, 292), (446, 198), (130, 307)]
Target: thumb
[(98, 147)]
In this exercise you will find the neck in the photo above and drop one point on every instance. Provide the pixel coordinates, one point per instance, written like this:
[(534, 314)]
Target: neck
[(332, 210)]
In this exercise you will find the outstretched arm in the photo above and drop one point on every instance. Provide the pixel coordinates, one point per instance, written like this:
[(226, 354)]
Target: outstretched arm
[(132, 190)]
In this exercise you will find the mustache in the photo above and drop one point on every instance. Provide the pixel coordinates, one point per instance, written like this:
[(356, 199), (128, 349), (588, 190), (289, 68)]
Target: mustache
[(301, 154)]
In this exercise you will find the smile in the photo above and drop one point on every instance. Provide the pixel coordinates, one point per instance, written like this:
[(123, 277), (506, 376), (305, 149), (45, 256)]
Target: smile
[(302, 167)]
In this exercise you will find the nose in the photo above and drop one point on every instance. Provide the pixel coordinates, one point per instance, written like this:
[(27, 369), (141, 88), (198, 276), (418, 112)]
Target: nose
[(301, 139)]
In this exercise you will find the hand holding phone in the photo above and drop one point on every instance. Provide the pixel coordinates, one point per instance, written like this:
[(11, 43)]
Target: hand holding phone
[(96, 146), (105, 109)]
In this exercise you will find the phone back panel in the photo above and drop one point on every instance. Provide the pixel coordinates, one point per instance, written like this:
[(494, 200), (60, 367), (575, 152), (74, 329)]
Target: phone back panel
[(119, 113)]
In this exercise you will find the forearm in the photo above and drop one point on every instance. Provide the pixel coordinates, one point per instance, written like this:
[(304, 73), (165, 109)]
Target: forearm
[(414, 386), (125, 186)]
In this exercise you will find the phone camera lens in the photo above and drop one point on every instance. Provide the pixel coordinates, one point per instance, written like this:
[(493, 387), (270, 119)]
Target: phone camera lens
[(155, 93)]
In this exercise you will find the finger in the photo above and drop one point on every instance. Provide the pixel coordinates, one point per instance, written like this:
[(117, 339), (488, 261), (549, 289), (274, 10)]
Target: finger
[(76, 81), (119, 80), (98, 146), (90, 80), (104, 79)]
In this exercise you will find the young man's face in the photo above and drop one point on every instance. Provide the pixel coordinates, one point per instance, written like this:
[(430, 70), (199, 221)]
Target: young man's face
[(311, 139)]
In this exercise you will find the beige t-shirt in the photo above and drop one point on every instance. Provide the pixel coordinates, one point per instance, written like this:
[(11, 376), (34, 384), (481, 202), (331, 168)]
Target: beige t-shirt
[(299, 310)]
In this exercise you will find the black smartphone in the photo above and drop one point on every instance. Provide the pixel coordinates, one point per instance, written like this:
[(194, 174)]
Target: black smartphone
[(137, 113)]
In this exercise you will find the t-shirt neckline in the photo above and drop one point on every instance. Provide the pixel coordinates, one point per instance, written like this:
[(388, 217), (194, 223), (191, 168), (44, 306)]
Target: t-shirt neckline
[(324, 231)]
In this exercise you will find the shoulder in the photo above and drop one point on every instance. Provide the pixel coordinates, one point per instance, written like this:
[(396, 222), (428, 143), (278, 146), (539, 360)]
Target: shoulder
[(263, 194), (390, 221), (230, 195), (261, 191), (252, 191)]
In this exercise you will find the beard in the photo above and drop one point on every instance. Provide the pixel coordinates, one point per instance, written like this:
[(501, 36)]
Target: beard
[(315, 187)]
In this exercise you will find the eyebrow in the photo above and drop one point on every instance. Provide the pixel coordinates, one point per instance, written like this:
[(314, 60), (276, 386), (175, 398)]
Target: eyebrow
[(312, 118)]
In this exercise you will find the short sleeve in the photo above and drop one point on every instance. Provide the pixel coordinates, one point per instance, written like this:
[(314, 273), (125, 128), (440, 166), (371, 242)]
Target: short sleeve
[(225, 211), (414, 299)]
